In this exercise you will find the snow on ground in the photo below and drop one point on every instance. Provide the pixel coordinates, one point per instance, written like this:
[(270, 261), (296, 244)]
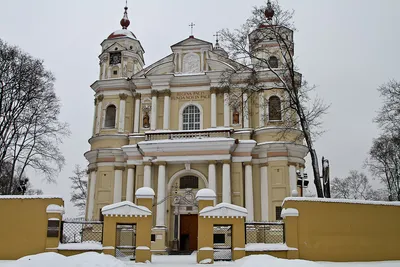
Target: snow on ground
[(92, 259)]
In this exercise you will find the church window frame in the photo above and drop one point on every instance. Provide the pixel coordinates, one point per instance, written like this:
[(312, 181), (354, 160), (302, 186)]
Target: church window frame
[(182, 120), (189, 182), (273, 62), (274, 108), (109, 117)]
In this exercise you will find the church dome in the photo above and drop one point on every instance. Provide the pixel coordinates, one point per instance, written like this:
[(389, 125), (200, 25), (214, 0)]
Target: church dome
[(122, 33)]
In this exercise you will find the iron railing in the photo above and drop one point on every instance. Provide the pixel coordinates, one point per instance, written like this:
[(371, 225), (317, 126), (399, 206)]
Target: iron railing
[(81, 232), (265, 232)]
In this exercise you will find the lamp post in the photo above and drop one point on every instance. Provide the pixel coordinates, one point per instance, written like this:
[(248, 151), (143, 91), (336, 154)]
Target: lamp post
[(302, 182)]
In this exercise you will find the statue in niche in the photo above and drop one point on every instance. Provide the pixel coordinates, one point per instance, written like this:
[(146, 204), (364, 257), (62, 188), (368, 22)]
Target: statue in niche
[(235, 116), (146, 120)]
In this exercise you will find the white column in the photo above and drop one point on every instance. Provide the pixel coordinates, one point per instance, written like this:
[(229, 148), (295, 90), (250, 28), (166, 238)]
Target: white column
[(94, 117), (226, 183), (99, 109), (130, 183), (147, 176), (121, 117), (212, 178), (213, 108), (245, 114), (292, 178), (248, 178), (153, 119), (136, 121), (161, 207), (261, 110), (118, 184), (226, 110), (264, 193), (167, 108), (103, 66), (92, 191)]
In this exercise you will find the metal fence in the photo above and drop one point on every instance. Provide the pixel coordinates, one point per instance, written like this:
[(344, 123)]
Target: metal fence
[(81, 232), (265, 232)]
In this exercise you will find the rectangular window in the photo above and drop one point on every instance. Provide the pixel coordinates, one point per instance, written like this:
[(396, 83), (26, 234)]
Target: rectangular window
[(189, 182), (153, 238), (219, 238), (278, 211)]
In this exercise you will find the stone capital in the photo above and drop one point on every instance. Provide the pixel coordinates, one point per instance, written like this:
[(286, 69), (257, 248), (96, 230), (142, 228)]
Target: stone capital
[(292, 164), (123, 96), (265, 164), (214, 90), (226, 90), (90, 170), (154, 93), (146, 163), (131, 166), (137, 95), (119, 168), (158, 163), (212, 162), (100, 98), (226, 161), (167, 92), (248, 163)]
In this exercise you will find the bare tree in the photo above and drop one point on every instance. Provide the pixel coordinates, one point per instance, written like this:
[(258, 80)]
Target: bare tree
[(355, 186), (30, 131), (384, 163), (79, 187), (389, 115), (265, 49)]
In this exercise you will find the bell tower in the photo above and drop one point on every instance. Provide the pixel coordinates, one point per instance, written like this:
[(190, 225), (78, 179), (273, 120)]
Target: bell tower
[(121, 54)]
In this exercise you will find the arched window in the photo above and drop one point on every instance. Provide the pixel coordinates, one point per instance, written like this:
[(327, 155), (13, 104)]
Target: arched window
[(189, 182), (191, 118), (273, 62), (110, 116), (274, 109)]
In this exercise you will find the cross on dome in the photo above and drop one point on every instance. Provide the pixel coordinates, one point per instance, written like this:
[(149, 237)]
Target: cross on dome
[(125, 21), (269, 12), (216, 35)]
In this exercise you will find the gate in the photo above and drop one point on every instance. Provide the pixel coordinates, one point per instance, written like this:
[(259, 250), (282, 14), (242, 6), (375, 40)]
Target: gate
[(125, 247), (222, 242)]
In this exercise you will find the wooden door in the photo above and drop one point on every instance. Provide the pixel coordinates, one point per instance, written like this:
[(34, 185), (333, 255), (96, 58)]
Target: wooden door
[(188, 232)]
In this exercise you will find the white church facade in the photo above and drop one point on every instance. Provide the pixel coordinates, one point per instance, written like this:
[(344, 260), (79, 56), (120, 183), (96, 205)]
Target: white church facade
[(170, 126)]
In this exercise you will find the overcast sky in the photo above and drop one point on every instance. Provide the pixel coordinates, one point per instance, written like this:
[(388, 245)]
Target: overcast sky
[(347, 48)]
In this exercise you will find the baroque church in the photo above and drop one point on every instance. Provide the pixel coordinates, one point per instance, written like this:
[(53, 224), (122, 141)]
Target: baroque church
[(170, 126)]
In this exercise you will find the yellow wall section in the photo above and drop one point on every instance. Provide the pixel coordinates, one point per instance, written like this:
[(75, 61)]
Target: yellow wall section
[(23, 226)]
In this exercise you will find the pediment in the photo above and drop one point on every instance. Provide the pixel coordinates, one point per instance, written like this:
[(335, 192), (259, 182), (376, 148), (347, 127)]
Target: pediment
[(125, 209), (191, 42), (113, 47), (224, 210)]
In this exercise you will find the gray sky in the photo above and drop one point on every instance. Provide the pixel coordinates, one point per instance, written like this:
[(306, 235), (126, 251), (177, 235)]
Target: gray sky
[(345, 47)]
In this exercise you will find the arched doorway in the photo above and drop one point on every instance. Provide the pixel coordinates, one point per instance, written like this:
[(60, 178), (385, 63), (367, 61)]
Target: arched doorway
[(183, 187)]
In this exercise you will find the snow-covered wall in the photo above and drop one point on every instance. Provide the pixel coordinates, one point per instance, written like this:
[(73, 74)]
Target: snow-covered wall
[(343, 230)]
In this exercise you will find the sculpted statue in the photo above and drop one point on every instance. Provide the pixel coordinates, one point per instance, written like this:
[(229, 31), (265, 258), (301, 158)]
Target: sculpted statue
[(146, 120), (235, 117)]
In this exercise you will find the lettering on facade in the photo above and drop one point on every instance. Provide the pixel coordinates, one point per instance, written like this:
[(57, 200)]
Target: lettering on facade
[(191, 95)]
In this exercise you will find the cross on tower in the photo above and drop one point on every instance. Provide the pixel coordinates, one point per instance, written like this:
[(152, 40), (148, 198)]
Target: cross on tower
[(191, 25), (216, 35)]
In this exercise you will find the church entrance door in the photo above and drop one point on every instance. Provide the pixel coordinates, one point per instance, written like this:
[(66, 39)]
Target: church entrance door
[(188, 232)]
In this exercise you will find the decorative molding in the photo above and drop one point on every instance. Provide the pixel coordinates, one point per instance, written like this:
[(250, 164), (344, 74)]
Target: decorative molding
[(123, 96), (100, 98)]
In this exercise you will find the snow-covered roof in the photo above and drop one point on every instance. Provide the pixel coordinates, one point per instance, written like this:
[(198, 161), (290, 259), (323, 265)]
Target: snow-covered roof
[(224, 210), (188, 140), (122, 33), (125, 209), (206, 194), (30, 197), (145, 192), (346, 201), (289, 213), (53, 208)]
